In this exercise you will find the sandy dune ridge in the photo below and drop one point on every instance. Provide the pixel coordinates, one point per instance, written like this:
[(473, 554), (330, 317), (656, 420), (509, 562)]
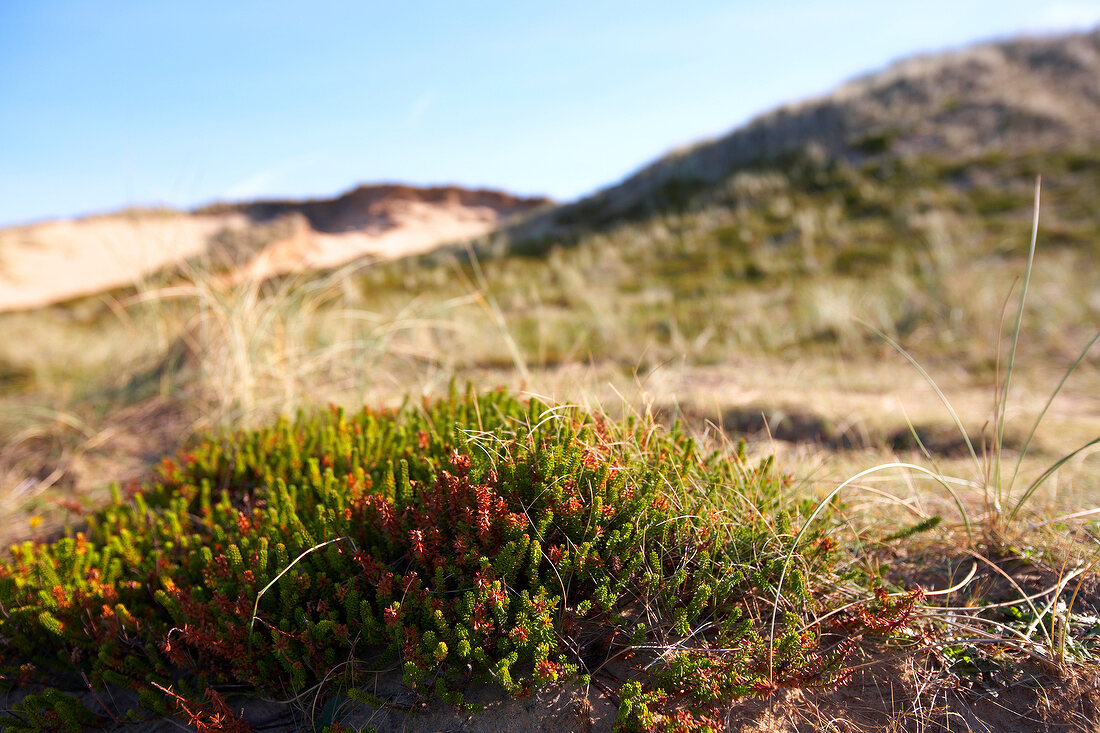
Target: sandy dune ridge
[(55, 261)]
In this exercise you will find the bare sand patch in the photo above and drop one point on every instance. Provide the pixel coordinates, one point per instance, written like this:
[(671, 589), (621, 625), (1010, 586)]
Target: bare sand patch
[(54, 261)]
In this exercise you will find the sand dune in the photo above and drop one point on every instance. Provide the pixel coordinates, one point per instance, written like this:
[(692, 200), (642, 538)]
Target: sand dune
[(417, 228), (56, 261)]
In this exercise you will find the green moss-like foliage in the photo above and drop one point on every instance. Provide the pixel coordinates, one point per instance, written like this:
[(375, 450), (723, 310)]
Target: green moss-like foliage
[(51, 710), (476, 533)]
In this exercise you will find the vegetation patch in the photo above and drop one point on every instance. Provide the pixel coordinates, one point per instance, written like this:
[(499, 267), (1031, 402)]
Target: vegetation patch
[(14, 378), (478, 538)]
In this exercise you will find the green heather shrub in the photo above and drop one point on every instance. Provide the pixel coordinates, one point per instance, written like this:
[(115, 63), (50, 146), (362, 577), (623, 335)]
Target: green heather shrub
[(51, 710), (477, 533)]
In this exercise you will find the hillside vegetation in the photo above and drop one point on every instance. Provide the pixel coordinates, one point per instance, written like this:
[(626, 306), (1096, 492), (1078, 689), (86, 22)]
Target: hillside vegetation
[(779, 258)]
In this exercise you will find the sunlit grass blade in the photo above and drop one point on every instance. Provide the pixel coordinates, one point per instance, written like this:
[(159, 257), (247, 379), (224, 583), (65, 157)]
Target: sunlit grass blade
[(820, 509), (1045, 475), (932, 383), (1005, 386), (1065, 376)]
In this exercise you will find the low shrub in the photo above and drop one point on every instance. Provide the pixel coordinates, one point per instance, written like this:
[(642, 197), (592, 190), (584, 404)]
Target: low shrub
[(472, 538)]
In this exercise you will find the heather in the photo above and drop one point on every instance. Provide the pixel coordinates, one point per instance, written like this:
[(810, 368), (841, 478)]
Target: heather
[(472, 538)]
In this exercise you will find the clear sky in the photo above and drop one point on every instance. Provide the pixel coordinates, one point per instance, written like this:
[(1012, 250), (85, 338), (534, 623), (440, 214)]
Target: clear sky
[(112, 103)]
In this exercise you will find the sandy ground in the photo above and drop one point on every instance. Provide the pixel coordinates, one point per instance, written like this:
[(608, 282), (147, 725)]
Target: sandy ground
[(417, 227), (56, 261)]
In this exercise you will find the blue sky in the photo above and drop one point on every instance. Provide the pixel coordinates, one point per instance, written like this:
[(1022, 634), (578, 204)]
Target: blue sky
[(114, 103)]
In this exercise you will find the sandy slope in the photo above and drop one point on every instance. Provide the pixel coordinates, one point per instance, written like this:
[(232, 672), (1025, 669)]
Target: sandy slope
[(415, 227), (55, 261)]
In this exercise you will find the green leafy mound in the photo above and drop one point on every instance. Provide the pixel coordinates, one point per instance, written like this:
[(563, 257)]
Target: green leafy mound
[(475, 538)]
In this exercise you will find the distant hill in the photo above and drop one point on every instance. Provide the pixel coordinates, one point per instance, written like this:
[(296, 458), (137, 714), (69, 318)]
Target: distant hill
[(375, 207), (54, 261), (904, 200), (1006, 98)]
